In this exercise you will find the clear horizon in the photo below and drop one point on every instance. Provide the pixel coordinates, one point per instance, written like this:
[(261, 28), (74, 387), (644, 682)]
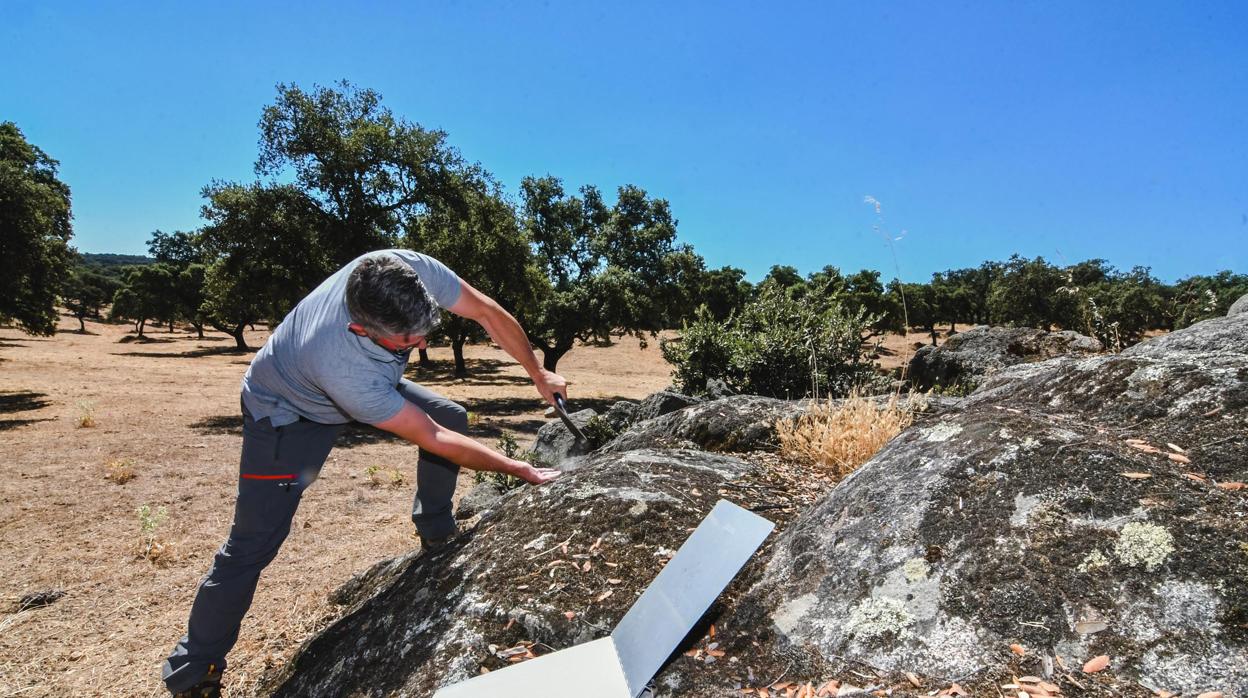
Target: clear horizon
[(1069, 131)]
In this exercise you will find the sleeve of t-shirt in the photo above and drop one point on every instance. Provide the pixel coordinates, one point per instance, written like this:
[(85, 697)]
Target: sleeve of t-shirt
[(442, 283), (363, 395)]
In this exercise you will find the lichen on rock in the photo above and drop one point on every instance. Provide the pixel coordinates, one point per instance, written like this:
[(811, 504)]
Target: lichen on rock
[(1142, 544)]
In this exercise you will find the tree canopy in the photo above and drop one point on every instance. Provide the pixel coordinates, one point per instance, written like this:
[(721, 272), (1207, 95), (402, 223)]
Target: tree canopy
[(34, 233), (607, 269)]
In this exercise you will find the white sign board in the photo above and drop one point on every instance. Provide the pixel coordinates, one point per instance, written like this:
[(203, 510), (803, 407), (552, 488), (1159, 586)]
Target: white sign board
[(621, 664)]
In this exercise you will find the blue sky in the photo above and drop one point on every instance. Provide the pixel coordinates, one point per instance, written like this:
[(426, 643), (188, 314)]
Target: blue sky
[(1069, 130)]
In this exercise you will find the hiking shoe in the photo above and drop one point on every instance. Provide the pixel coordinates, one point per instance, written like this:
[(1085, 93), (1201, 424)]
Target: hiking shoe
[(433, 545), (208, 687)]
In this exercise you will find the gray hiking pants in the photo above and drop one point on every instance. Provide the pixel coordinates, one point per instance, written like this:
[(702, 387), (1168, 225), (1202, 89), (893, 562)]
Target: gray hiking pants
[(277, 465)]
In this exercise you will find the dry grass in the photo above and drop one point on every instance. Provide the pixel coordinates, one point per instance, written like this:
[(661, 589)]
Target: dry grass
[(389, 477), (119, 471), (86, 416), (841, 435)]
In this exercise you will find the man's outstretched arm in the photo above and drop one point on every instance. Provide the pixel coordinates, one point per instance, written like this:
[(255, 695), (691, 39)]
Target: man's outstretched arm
[(508, 334), (413, 424)]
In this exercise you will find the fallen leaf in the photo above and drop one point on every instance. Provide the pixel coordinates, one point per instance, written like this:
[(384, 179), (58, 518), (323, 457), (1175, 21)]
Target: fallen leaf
[(1096, 664), (569, 614), (615, 581), (1088, 627), (1147, 448), (828, 689), (1231, 485), (716, 653), (1018, 649), (1194, 477), (1136, 476), (711, 633), (1178, 458), (1175, 448), (1210, 694), (914, 680), (604, 595), (587, 567), (512, 652), (954, 690)]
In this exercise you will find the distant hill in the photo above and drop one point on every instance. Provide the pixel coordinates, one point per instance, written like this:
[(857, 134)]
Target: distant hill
[(112, 264), (109, 260)]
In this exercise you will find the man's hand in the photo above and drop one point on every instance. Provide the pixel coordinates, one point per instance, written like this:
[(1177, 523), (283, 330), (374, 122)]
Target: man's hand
[(548, 383), (537, 476)]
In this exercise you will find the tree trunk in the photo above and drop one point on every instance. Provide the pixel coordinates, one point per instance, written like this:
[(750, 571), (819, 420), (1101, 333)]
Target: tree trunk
[(171, 325), (551, 355), (932, 331), (236, 332), (424, 359), (953, 328), (141, 324), (457, 345), (82, 326), (199, 328)]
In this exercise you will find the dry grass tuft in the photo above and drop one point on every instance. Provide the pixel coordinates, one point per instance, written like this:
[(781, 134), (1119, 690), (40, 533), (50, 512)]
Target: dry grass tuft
[(86, 416), (841, 435), (119, 471), (378, 476)]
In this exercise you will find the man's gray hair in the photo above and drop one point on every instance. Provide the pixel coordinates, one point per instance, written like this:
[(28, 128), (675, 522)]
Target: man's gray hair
[(385, 296)]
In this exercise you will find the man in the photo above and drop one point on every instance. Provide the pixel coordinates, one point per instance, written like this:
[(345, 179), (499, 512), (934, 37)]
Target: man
[(339, 357)]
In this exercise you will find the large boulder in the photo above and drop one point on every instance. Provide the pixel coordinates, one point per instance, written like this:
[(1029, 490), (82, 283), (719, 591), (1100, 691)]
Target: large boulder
[(1073, 507), (737, 423), (661, 403), (966, 357), (1239, 306), (556, 445), (555, 565)]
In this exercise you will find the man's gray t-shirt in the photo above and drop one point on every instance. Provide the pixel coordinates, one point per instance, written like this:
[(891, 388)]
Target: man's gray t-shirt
[(314, 367)]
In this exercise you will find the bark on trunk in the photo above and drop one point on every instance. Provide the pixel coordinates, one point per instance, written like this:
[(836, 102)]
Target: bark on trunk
[(461, 369), (551, 355)]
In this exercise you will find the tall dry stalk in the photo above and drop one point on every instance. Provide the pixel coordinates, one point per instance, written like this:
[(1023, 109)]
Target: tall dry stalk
[(841, 435)]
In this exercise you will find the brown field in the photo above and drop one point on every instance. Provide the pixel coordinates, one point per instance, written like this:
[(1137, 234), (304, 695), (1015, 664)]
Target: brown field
[(167, 412), (171, 407)]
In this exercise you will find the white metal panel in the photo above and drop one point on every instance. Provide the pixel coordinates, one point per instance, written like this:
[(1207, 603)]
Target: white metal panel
[(620, 666), (684, 589), (589, 669)]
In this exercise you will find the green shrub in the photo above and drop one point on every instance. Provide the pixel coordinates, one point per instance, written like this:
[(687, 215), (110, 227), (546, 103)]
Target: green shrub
[(779, 347)]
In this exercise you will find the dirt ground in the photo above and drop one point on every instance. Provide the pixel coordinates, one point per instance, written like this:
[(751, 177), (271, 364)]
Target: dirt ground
[(171, 406)]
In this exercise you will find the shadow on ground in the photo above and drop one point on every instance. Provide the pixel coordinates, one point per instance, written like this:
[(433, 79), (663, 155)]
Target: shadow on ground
[(480, 372), (21, 401), (193, 354)]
